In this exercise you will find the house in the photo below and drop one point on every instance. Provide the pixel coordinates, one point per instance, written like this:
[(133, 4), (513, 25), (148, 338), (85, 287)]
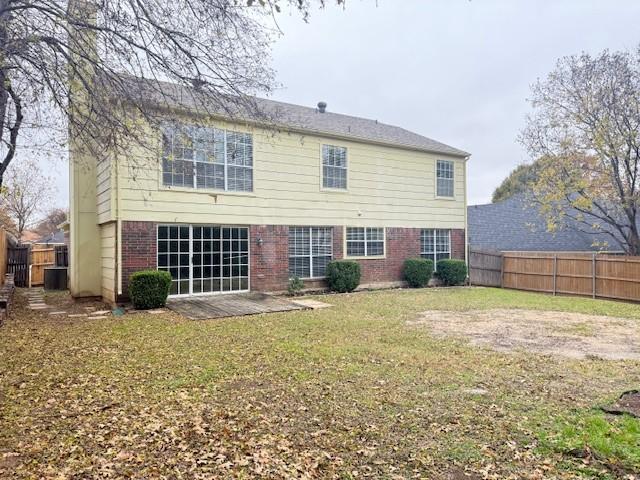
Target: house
[(516, 224), (54, 238), (230, 204)]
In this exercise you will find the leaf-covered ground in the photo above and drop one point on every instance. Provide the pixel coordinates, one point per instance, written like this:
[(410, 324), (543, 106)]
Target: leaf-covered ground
[(346, 392)]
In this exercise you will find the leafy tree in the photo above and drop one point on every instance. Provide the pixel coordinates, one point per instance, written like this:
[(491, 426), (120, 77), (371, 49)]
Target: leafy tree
[(66, 65), (586, 125), (520, 180)]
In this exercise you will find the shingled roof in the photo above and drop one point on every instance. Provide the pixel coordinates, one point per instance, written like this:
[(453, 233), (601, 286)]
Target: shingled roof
[(288, 116), (515, 224)]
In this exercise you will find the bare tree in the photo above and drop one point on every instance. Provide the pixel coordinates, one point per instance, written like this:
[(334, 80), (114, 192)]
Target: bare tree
[(70, 63), (51, 221), (26, 193), (586, 126)]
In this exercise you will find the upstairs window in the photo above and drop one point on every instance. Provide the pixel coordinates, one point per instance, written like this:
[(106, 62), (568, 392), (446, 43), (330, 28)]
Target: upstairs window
[(310, 251), (435, 244), (365, 242), (334, 167), (207, 158), (444, 178)]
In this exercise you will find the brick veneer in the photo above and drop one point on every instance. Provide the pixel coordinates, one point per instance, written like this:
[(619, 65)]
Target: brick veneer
[(269, 257), (269, 262), (139, 250)]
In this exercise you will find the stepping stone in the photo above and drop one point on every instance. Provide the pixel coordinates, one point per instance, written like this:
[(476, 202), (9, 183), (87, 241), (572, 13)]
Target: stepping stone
[(44, 307), (77, 315), (156, 312), (57, 313), (101, 312), (89, 309), (312, 304)]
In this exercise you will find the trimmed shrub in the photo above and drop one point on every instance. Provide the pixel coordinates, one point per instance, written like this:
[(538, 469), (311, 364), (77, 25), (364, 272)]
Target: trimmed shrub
[(149, 288), (452, 272), (343, 275), (417, 271), (295, 285)]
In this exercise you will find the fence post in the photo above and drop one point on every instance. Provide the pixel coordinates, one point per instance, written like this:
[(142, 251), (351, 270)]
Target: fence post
[(555, 273), (501, 269), (593, 275)]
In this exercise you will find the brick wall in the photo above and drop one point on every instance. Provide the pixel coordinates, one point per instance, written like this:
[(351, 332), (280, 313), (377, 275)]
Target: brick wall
[(457, 244), (269, 262), (139, 248), (401, 243)]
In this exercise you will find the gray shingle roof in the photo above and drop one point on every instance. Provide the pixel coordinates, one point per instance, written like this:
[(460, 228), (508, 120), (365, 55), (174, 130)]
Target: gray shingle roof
[(288, 116), (515, 224)]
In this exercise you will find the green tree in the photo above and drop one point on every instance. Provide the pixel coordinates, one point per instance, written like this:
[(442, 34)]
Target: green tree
[(519, 180)]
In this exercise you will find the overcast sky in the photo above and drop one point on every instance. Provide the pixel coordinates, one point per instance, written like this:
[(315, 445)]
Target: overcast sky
[(457, 71)]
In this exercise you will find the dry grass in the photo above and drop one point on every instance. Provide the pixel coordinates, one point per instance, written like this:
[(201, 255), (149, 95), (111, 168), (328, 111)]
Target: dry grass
[(346, 392)]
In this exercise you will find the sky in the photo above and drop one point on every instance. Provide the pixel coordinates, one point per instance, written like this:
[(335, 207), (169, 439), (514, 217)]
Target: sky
[(458, 71)]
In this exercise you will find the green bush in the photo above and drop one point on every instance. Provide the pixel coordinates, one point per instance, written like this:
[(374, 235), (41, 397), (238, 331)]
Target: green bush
[(295, 285), (149, 288), (452, 272), (417, 271), (343, 275)]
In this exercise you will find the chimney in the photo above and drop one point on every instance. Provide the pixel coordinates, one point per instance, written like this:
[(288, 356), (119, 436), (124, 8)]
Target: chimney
[(322, 107)]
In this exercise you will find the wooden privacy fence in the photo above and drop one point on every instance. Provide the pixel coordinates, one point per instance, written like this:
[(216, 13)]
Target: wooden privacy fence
[(3, 254), (581, 273), (41, 257)]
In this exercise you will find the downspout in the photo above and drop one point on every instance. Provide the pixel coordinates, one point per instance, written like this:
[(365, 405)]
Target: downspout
[(118, 233), (466, 223)]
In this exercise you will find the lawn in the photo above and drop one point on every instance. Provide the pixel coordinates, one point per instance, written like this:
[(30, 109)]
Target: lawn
[(347, 392)]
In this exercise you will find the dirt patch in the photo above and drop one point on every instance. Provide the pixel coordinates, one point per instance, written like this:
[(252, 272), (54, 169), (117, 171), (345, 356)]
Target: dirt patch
[(573, 335)]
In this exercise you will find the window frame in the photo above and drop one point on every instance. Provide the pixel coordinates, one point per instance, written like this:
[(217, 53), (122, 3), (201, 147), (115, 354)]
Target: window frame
[(225, 164), (434, 255), (365, 256), (453, 180), (310, 256), (345, 168)]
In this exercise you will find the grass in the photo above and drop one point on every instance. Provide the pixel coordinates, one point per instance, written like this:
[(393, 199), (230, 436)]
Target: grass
[(346, 392)]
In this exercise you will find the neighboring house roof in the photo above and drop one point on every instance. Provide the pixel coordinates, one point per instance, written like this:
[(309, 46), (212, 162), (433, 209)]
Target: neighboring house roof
[(290, 116), (52, 238), (29, 237), (516, 224)]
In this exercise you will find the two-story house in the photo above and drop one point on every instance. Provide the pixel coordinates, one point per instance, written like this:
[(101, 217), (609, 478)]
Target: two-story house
[(237, 205)]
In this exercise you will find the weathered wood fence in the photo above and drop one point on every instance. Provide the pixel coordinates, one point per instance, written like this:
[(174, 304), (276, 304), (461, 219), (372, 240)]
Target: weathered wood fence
[(3, 254), (571, 273), (41, 257)]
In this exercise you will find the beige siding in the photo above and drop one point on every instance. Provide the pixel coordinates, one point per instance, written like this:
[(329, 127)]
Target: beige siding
[(108, 260), (103, 191), (387, 187)]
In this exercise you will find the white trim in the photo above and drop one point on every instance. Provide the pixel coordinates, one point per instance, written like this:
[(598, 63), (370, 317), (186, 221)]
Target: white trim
[(434, 254), (453, 180), (310, 256), (346, 168), (365, 257), (190, 226)]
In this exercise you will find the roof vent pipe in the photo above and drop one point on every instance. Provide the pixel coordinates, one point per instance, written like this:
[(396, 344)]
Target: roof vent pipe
[(322, 107)]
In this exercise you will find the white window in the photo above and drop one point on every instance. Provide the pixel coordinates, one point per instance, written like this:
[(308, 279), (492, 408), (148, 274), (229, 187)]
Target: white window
[(207, 158), (310, 251), (435, 244), (444, 178), (365, 242), (334, 167)]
